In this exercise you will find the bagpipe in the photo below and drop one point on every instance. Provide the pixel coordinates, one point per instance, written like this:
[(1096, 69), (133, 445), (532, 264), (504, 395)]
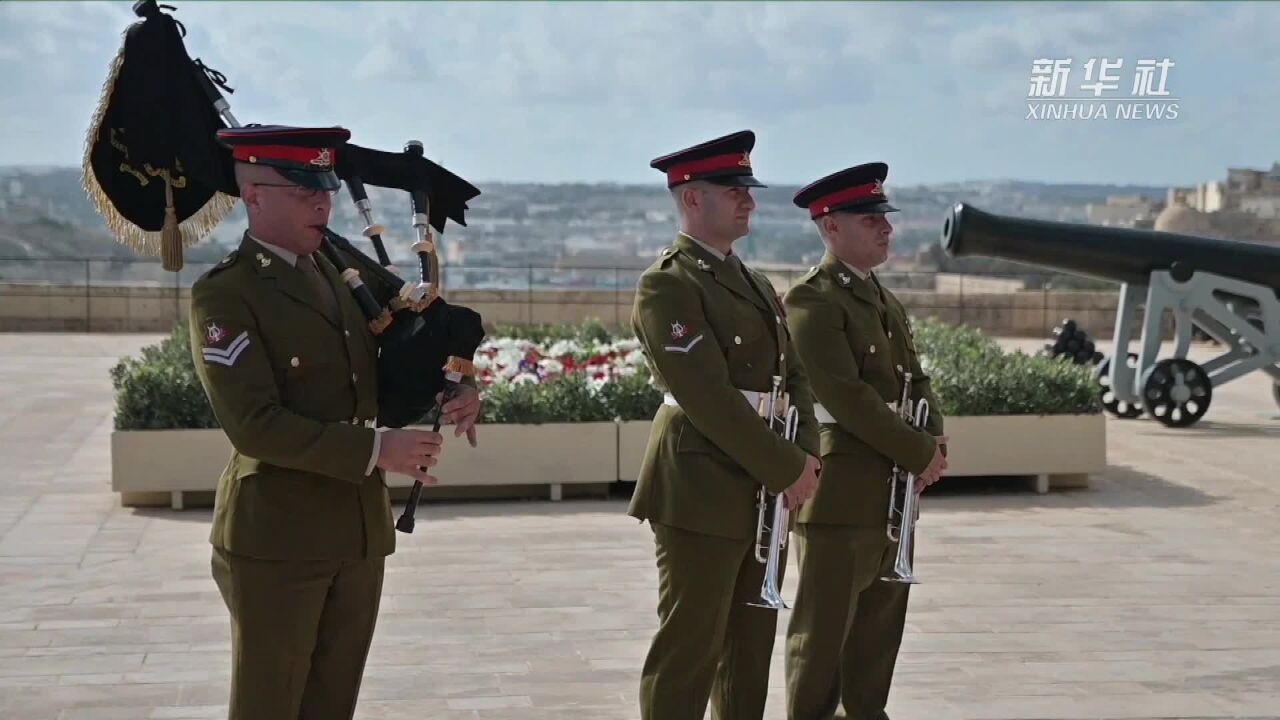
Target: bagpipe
[(161, 181)]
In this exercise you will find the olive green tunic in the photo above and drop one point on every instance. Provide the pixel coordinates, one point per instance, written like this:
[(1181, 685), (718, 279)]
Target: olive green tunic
[(856, 343), (711, 328)]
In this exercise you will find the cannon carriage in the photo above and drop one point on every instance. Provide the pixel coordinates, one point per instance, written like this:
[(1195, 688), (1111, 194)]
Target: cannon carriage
[(1224, 289)]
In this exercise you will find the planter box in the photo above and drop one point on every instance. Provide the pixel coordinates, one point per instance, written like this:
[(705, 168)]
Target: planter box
[(553, 454), (150, 467), (1057, 450)]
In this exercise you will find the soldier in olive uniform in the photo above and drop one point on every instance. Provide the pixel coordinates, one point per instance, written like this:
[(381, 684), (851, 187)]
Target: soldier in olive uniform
[(714, 336), (302, 518), (855, 343)]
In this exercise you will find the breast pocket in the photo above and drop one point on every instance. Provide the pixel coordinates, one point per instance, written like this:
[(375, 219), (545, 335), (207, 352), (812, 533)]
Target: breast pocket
[(870, 350), (749, 349), (311, 360), (308, 377)]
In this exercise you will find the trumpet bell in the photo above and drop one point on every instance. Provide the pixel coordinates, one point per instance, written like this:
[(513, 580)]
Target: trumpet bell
[(770, 599), (901, 574)]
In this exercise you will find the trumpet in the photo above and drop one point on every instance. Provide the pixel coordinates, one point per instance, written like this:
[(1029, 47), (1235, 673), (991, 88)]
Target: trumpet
[(904, 508), (773, 518)]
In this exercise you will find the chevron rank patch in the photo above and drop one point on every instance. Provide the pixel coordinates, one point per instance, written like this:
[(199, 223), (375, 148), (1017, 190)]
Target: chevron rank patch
[(679, 334), (219, 345)]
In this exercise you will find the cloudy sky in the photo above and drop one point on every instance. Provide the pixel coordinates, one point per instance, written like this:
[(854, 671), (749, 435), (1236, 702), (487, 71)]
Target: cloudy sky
[(571, 91)]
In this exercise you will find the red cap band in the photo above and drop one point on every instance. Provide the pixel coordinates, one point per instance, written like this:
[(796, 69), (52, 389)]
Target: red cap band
[(823, 204), (322, 158), (681, 172)]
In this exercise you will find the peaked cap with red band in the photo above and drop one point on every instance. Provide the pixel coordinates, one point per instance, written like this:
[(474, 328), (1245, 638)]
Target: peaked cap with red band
[(306, 156), (723, 161), (859, 189)]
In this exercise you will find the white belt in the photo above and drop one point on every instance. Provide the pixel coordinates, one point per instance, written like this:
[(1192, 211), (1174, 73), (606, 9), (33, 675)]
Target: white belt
[(752, 397), (820, 413), (823, 417)]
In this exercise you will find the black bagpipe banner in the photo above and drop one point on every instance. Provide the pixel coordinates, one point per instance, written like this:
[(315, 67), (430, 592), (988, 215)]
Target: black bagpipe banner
[(149, 165), (161, 180), (151, 161)]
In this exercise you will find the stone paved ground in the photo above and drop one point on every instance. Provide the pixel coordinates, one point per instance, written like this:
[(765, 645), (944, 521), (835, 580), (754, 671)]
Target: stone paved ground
[(1153, 594)]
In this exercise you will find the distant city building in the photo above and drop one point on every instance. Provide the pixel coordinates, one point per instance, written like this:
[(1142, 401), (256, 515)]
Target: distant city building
[(1124, 211), (1263, 206), (1246, 206)]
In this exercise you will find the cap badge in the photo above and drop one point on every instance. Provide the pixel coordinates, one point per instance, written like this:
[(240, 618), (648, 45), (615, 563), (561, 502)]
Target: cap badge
[(323, 158), (877, 189), (746, 160), (263, 260), (844, 279), (703, 264)]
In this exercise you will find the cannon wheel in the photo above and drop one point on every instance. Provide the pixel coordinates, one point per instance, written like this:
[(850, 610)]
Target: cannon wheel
[(1176, 392), (1112, 404)]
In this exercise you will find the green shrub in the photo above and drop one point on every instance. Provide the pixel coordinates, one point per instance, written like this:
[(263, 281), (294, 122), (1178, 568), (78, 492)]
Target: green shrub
[(160, 389), (944, 343), (632, 397), (1015, 384), (970, 374), (563, 398)]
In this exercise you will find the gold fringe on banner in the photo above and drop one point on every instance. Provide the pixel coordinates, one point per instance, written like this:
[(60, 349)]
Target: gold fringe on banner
[(150, 243)]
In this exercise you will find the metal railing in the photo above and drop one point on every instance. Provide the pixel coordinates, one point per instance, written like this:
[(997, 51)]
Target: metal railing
[(519, 293)]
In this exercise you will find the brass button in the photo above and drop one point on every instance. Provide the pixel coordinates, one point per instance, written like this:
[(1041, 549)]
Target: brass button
[(347, 333), (899, 368), (354, 378), (873, 349), (782, 357), (890, 334), (737, 340), (294, 361)]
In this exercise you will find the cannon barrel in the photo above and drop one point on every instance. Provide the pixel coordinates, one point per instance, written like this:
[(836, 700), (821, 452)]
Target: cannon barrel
[(1121, 254)]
